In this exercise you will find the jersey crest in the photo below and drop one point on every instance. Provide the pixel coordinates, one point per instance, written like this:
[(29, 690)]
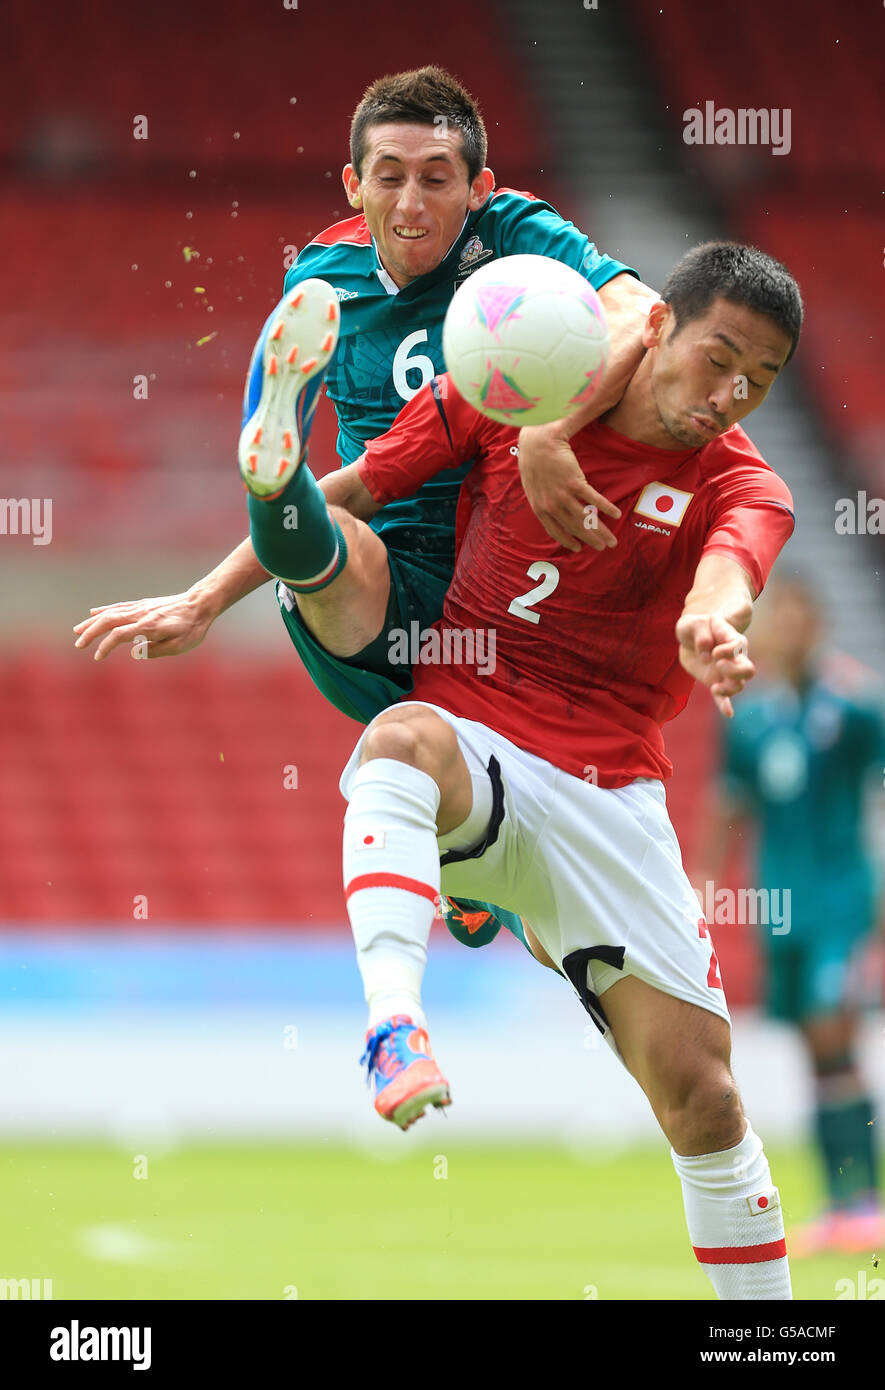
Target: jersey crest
[(661, 502)]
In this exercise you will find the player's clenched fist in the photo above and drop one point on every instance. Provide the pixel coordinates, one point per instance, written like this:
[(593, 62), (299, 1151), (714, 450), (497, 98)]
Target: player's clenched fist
[(169, 625), (716, 653)]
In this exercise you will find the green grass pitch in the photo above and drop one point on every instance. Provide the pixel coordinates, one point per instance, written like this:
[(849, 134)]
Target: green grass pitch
[(328, 1222)]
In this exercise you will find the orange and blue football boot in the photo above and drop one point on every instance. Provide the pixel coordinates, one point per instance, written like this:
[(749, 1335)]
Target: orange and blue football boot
[(468, 922), (283, 385), (476, 924), (402, 1066)]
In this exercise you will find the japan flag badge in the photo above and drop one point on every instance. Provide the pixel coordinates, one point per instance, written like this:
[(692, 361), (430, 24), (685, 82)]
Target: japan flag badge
[(369, 838), (663, 503), (763, 1201)]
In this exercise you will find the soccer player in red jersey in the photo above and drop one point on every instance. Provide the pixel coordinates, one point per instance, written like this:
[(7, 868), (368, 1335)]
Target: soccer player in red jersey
[(528, 766)]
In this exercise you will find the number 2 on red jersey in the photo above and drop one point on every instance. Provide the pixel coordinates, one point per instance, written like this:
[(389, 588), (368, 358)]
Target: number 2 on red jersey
[(549, 575), (714, 980)]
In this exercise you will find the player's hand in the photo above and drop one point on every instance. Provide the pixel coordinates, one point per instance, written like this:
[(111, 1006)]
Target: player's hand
[(716, 654), (568, 508), (169, 626)]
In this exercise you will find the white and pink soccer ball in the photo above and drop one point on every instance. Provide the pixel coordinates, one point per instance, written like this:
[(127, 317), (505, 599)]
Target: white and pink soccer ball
[(525, 340)]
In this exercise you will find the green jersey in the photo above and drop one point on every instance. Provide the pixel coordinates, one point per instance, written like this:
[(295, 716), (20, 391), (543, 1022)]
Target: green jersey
[(389, 346), (390, 343), (801, 762)]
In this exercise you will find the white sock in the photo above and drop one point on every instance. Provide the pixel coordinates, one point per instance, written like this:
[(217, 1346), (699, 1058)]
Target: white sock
[(391, 879), (735, 1221)]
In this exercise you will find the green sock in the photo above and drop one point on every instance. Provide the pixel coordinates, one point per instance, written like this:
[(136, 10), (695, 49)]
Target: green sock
[(294, 537), (846, 1136)]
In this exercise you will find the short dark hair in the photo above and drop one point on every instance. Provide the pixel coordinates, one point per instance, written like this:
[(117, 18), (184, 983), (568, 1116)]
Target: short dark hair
[(740, 274), (420, 97)]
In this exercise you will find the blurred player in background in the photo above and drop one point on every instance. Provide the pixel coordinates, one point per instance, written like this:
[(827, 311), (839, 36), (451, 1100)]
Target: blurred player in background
[(801, 756)]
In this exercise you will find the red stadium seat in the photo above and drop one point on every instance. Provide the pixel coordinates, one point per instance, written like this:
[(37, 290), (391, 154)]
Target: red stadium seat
[(817, 208), (113, 786)]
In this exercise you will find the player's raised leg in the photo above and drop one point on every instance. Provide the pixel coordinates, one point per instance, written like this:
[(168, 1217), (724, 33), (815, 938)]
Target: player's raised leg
[(680, 1054), (411, 786), (334, 565)]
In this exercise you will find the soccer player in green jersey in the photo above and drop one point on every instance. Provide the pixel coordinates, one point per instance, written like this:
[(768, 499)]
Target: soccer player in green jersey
[(802, 752), (427, 214)]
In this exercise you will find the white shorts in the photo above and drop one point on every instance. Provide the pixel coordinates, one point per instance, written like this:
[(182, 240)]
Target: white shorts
[(596, 872)]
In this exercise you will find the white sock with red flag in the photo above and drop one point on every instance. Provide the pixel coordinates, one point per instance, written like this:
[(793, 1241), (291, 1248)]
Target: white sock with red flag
[(391, 882), (735, 1221)]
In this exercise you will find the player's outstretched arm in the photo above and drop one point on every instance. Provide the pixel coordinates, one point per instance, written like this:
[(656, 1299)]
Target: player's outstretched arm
[(716, 614), (175, 623), (626, 301), (566, 505), (345, 488)]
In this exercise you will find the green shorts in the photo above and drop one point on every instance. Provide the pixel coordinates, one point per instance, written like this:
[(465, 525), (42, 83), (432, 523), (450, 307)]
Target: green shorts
[(363, 685), (810, 975)]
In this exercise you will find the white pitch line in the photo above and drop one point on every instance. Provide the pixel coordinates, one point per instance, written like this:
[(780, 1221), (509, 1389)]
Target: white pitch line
[(120, 1245)]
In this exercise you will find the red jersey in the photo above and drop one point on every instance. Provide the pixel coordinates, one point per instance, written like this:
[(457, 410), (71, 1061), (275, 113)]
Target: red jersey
[(585, 666)]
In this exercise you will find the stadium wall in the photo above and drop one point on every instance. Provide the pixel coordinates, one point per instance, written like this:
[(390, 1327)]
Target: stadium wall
[(154, 1041)]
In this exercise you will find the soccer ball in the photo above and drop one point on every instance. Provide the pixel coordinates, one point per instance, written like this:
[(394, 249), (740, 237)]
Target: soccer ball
[(525, 340)]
